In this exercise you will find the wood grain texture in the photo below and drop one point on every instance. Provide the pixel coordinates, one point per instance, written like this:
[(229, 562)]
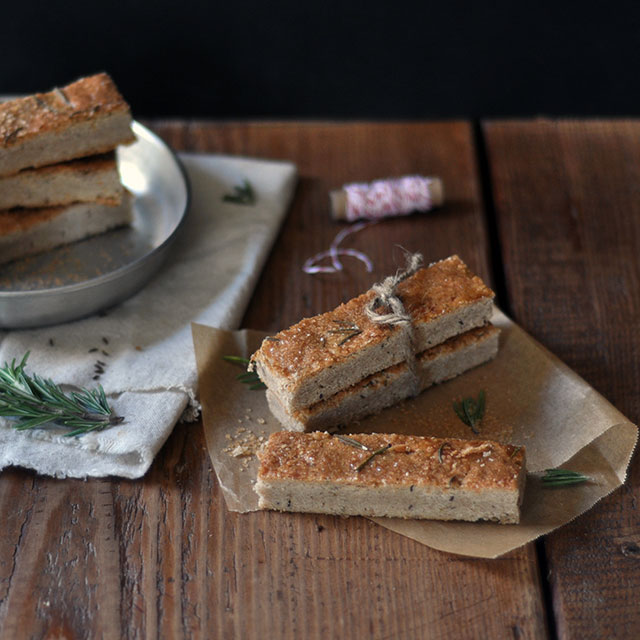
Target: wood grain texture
[(163, 558), (568, 213)]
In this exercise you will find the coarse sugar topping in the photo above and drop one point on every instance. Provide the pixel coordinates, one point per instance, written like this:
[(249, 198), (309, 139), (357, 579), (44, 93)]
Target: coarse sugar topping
[(441, 288), (323, 340)]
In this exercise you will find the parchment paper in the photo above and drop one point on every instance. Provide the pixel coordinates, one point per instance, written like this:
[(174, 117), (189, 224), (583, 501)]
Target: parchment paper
[(533, 399)]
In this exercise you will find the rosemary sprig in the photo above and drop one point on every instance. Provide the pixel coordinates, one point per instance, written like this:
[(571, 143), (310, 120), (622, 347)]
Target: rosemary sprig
[(350, 330), (359, 445), (242, 194), (375, 453), (36, 401), (249, 377), (63, 96), (562, 478), (471, 411), (441, 449), (352, 442)]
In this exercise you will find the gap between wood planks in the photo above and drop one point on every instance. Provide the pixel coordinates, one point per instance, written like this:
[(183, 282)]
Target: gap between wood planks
[(499, 284)]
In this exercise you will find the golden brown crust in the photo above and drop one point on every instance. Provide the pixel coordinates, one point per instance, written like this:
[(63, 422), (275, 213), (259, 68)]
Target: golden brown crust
[(88, 165), (471, 465), (14, 220), (441, 288), (86, 99), (458, 342), (313, 344)]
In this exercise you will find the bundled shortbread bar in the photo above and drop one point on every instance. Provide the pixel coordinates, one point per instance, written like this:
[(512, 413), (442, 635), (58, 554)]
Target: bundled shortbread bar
[(364, 356), (322, 355), (385, 388), (392, 475)]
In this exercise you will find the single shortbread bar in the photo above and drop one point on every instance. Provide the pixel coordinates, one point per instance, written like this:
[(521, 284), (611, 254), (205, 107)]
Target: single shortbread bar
[(386, 388), (84, 118), (25, 232), (93, 179), (322, 355), (408, 477)]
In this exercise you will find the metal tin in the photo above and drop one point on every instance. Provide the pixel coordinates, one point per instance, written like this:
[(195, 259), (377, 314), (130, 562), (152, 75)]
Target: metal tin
[(85, 277)]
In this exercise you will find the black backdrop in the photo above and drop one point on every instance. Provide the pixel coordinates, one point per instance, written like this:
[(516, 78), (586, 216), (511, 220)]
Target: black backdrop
[(333, 59)]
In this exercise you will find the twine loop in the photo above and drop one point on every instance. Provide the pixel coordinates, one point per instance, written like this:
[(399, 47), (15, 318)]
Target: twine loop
[(386, 295)]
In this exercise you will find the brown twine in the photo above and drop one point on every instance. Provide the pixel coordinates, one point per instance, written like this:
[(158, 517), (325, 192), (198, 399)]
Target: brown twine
[(387, 296)]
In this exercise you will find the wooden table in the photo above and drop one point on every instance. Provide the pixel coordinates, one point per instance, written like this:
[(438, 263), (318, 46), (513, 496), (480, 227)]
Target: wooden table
[(547, 212)]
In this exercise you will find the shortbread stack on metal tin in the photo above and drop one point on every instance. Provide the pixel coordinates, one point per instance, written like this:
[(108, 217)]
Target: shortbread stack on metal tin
[(58, 176), (338, 367)]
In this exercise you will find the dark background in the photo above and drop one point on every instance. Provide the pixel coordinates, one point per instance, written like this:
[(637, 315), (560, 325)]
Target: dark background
[(332, 59)]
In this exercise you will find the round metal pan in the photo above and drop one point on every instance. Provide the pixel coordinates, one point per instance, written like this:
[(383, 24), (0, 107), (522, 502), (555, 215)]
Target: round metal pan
[(85, 277)]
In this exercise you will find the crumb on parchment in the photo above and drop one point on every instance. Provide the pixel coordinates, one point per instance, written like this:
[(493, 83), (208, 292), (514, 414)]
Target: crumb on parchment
[(244, 444)]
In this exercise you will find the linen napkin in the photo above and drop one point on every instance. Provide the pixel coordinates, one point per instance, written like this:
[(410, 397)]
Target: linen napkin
[(145, 343)]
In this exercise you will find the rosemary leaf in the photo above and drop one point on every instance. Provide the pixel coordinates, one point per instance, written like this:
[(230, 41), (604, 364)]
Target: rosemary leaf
[(347, 338), (349, 330), (236, 359), (457, 407), (442, 446), (375, 453), (468, 408), (352, 442)]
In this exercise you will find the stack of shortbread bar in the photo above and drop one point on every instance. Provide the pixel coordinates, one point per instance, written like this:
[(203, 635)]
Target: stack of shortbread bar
[(58, 176), (338, 367), (411, 331)]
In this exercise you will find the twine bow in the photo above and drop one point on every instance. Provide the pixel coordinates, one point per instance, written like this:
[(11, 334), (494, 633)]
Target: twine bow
[(386, 295)]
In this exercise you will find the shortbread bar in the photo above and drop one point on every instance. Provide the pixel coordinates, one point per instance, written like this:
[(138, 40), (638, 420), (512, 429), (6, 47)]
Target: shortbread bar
[(392, 475), (85, 118), (325, 354)]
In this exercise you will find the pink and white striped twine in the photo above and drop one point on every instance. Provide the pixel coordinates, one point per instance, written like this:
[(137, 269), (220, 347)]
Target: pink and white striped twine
[(382, 198), (334, 252)]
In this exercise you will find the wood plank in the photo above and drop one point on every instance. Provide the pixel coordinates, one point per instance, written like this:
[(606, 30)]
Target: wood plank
[(568, 213), (162, 557)]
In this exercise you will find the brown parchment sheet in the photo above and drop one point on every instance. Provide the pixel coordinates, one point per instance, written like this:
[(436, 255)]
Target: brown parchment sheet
[(532, 399)]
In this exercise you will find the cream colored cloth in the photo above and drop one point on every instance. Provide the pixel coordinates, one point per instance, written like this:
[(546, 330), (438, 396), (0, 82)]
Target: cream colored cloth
[(150, 372)]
